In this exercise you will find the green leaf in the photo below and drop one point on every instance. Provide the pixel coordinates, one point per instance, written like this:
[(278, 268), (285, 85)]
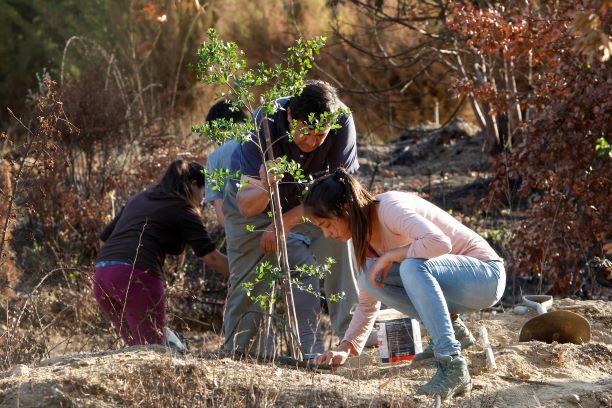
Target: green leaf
[(603, 148)]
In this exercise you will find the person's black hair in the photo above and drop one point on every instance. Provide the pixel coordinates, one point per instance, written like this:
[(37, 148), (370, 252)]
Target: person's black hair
[(224, 109), (341, 195), (179, 177), (317, 97)]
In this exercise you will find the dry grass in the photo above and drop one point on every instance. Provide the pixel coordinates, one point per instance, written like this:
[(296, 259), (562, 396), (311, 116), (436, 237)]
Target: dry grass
[(528, 375), (532, 374)]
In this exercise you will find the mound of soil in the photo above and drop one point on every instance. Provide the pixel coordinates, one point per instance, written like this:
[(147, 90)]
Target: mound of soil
[(529, 374)]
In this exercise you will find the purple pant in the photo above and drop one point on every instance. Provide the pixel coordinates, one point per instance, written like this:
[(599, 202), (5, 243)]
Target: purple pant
[(135, 302)]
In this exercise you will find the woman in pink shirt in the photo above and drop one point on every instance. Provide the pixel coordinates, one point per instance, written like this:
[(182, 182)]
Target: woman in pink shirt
[(415, 258)]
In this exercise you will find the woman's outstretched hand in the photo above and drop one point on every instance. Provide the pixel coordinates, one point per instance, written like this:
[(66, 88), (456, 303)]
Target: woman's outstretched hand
[(332, 358), (338, 356)]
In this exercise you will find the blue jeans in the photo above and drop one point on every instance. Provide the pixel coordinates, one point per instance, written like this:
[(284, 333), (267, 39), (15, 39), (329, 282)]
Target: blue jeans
[(430, 289)]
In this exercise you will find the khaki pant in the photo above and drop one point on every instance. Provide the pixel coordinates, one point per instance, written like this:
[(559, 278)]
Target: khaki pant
[(243, 321)]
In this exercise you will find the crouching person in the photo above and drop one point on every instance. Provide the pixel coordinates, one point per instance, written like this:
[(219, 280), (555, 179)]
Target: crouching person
[(159, 221), (415, 258), (317, 152)]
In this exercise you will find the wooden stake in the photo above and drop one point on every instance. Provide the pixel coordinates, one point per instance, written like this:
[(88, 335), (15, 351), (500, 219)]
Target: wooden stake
[(484, 337)]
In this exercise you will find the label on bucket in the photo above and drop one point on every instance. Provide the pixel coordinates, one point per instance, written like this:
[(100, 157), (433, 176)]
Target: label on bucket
[(398, 339)]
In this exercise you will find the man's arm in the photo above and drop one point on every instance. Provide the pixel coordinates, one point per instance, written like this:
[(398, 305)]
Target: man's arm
[(291, 218), (253, 199), (218, 204)]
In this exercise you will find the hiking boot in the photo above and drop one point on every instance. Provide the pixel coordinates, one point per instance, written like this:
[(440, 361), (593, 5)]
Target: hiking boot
[(462, 334), (451, 378)]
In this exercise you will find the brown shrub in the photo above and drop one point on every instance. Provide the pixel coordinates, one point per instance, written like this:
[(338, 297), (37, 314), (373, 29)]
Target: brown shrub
[(567, 222), (89, 172), (48, 321), (378, 90), (561, 172)]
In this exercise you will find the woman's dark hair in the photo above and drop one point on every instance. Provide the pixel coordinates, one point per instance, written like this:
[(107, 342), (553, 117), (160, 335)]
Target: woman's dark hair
[(178, 178), (341, 195), (317, 97)]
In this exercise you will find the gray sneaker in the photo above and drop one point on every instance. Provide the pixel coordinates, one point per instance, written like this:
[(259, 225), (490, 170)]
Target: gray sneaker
[(462, 334), (451, 378), (173, 340)]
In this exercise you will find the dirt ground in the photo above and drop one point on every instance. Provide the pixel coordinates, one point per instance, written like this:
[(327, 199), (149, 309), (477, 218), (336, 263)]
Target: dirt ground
[(448, 167), (530, 374)]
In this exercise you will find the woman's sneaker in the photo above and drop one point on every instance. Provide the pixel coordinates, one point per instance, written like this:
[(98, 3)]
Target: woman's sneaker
[(462, 334), (451, 378)]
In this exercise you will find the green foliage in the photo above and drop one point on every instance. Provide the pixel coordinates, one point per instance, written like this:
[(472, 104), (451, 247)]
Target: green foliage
[(498, 238), (222, 130), (283, 166), (219, 177), (603, 148), (316, 270), (143, 45), (222, 63), (325, 121), (32, 42), (267, 274)]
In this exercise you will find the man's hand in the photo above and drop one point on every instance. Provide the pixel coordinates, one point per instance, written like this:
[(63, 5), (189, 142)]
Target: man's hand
[(268, 240), (271, 176), (290, 219)]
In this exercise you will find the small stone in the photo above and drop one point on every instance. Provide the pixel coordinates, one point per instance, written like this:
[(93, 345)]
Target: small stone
[(20, 370), (574, 398), (520, 309), (57, 392)]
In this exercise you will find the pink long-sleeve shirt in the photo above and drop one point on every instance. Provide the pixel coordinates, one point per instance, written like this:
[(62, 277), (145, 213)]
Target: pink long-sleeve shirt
[(428, 231)]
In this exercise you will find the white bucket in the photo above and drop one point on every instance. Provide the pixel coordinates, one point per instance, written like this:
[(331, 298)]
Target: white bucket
[(399, 337)]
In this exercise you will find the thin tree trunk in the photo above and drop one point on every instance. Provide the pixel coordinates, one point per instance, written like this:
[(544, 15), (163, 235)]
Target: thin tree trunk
[(282, 255)]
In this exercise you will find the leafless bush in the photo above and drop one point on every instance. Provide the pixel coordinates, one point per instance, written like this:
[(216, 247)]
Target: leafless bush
[(49, 321)]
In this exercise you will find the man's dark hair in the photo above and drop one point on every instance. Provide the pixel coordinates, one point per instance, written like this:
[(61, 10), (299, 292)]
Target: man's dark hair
[(317, 97), (224, 109)]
